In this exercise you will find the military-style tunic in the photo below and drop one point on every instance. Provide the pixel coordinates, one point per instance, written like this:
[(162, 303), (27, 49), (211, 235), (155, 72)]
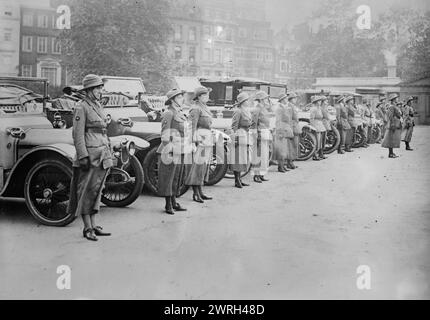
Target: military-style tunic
[(174, 150), (261, 129), (394, 128), (316, 119), (326, 118), (409, 123), (201, 123), (241, 140), (90, 140)]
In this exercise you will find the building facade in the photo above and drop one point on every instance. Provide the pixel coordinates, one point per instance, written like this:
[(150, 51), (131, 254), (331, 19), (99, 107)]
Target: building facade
[(40, 50), (9, 37)]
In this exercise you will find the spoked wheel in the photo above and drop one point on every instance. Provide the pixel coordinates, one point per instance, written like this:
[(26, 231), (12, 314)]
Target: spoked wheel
[(151, 173), (358, 139), (308, 145), (47, 192), (217, 168), (123, 186), (332, 141)]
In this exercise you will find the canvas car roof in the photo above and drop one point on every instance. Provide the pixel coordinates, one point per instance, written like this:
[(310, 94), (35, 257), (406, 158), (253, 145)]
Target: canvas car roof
[(234, 79), (11, 94)]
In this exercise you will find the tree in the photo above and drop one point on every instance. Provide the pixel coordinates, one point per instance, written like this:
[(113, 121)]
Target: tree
[(119, 38)]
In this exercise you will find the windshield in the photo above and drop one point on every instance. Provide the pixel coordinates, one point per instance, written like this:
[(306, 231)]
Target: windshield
[(129, 86)]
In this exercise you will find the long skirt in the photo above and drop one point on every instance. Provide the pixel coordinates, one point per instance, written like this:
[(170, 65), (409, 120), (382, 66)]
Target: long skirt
[(170, 175), (283, 149), (86, 190), (349, 137), (296, 147), (342, 133), (198, 172), (392, 138), (260, 158), (239, 157), (407, 134)]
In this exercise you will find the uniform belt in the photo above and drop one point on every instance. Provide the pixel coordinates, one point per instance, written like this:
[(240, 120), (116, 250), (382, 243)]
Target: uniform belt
[(96, 130)]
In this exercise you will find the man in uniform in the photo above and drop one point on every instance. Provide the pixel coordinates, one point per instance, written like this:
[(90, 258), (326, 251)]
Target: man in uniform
[(342, 124), (409, 123)]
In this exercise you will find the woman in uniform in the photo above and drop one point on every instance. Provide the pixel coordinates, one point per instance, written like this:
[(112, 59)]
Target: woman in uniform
[(174, 149), (292, 103), (93, 157), (352, 120), (342, 125), (326, 123), (316, 120), (261, 129), (409, 123), (201, 122), (394, 127), (239, 151), (284, 135)]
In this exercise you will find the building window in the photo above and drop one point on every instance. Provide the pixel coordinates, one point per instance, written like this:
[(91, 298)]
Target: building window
[(178, 52), (56, 46), (217, 56), (26, 70), (27, 44), (228, 56), (283, 66), (50, 73), (7, 35), (207, 54), (178, 32), (192, 54), (27, 20), (42, 44), (192, 34), (242, 32), (42, 21)]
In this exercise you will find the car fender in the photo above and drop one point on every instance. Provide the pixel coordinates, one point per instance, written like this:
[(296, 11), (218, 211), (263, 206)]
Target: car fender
[(304, 124), (138, 142), (15, 181)]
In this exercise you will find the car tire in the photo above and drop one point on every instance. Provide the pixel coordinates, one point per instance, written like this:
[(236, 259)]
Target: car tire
[(334, 136), (134, 168), (50, 207), (308, 145), (217, 171)]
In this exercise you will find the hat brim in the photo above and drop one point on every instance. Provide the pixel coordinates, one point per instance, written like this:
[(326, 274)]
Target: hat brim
[(91, 87), (173, 97), (209, 90)]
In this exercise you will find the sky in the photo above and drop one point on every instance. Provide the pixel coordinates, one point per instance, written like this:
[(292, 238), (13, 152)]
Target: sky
[(291, 12)]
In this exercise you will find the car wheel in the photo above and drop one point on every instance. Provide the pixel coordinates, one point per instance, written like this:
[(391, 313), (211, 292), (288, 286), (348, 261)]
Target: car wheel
[(332, 141), (308, 145), (122, 190), (151, 173), (217, 168), (47, 192)]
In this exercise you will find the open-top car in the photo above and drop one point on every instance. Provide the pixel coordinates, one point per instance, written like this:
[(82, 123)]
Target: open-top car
[(36, 160)]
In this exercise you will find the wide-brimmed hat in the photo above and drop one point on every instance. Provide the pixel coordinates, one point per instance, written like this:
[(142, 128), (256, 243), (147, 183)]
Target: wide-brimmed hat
[(241, 98), (340, 99), (349, 98), (393, 96), (91, 81), (316, 99), (201, 90), (261, 95), (410, 99), (292, 95), (282, 97), (172, 94)]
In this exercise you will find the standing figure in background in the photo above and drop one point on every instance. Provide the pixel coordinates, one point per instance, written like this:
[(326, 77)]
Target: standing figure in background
[(201, 123), (409, 123), (175, 146), (327, 124), (342, 125), (241, 141), (284, 135), (383, 113), (394, 127), (316, 120), (352, 120), (93, 157), (262, 135), (292, 103)]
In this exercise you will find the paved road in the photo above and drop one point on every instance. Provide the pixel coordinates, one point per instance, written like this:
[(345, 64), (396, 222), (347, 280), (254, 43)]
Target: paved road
[(301, 235)]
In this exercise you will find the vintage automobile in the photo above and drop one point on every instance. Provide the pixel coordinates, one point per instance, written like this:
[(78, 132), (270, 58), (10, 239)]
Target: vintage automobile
[(146, 125), (36, 159)]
